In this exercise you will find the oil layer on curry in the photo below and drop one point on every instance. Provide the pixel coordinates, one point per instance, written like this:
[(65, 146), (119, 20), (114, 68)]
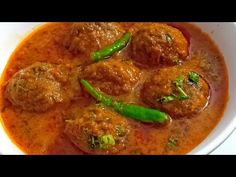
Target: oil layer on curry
[(113, 88)]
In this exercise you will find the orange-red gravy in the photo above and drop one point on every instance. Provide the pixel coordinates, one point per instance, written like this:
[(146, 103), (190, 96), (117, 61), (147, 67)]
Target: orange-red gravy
[(42, 133)]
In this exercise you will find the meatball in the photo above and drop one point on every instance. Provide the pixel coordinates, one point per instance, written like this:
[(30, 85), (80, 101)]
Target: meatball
[(88, 37), (98, 130), (161, 92), (113, 76), (39, 86), (158, 44)]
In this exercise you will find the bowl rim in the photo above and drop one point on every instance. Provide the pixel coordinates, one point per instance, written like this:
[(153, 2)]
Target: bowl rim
[(225, 133)]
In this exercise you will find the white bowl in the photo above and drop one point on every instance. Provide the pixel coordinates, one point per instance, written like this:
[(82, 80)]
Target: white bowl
[(224, 35)]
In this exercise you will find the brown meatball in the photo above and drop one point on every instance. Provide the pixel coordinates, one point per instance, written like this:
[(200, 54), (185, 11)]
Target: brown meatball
[(158, 44), (40, 86), (113, 76), (162, 84), (88, 37), (98, 130)]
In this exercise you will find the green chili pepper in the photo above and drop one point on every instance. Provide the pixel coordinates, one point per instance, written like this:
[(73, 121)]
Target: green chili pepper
[(130, 110), (111, 49)]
